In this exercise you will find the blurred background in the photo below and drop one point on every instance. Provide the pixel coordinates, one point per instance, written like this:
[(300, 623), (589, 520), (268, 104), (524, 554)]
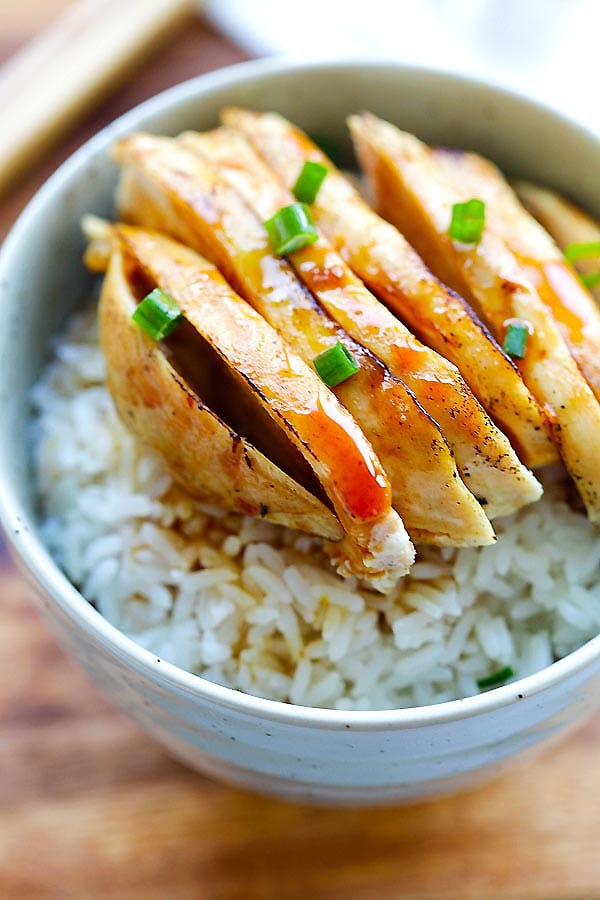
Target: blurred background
[(89, 807), (545, 47), (88, 50)]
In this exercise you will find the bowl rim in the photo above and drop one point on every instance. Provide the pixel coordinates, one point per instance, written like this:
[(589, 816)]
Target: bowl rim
[(43, 571)]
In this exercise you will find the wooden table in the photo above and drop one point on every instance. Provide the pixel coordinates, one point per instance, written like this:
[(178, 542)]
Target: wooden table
[(91, 808)]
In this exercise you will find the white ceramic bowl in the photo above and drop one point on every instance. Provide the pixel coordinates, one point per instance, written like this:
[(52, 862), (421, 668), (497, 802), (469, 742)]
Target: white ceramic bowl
[(328, 756)]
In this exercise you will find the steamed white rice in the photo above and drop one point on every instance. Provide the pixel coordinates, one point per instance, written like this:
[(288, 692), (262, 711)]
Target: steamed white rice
[(257, 607)]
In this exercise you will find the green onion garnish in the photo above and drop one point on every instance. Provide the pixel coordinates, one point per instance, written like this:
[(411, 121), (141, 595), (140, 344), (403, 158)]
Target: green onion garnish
[(591, 280), (467, 221), (158, 315), (575, 252), (309, 181), (495, 678), (335, 365), (290, 229), (515, 339)]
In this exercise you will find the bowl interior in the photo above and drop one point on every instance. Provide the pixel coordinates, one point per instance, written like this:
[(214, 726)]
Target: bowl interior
[(41, 273)]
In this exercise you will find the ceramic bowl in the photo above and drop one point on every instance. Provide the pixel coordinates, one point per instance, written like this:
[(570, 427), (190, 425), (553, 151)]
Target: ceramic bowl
[(309, 754)]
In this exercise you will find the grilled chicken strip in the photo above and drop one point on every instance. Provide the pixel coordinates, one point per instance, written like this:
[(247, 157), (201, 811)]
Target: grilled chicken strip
[(412, 190), (225, 347), (553, 277), (206, 457), (567, 223), (166, 186), (486, 461), (383, 259)]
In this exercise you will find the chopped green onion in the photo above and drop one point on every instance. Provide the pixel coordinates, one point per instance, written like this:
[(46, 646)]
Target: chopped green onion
[(290, 229), (575, 252), (468, 220), (495, 678), (335, 365), (158, 315), (515, 339), (591, 280), (309, 181)]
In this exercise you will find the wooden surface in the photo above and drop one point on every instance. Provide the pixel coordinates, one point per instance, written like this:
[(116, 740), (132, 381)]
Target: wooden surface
[(101, 42), (91, 808)]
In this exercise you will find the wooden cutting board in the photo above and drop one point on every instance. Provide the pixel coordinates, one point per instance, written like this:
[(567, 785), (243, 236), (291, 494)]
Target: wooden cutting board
[(91, 808)]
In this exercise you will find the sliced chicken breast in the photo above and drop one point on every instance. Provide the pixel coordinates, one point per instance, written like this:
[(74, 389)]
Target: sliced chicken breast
[(166, 186), (566, 222), (554, 279), (412, 190), (486, 460), (225, 350), (383, 259)]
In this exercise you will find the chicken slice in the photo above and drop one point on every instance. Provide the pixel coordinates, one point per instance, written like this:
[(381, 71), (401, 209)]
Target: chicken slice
[(567, 223), (206, 457), (411, 188), (553, 277), (166, 186), (224, 347), (383, 259), (486, 461)]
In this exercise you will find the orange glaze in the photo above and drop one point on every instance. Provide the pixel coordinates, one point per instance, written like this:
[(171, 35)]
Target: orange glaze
[(319, 269), (318, 272), (563, 293), (337, 288), (359, 483), (301, 143)]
